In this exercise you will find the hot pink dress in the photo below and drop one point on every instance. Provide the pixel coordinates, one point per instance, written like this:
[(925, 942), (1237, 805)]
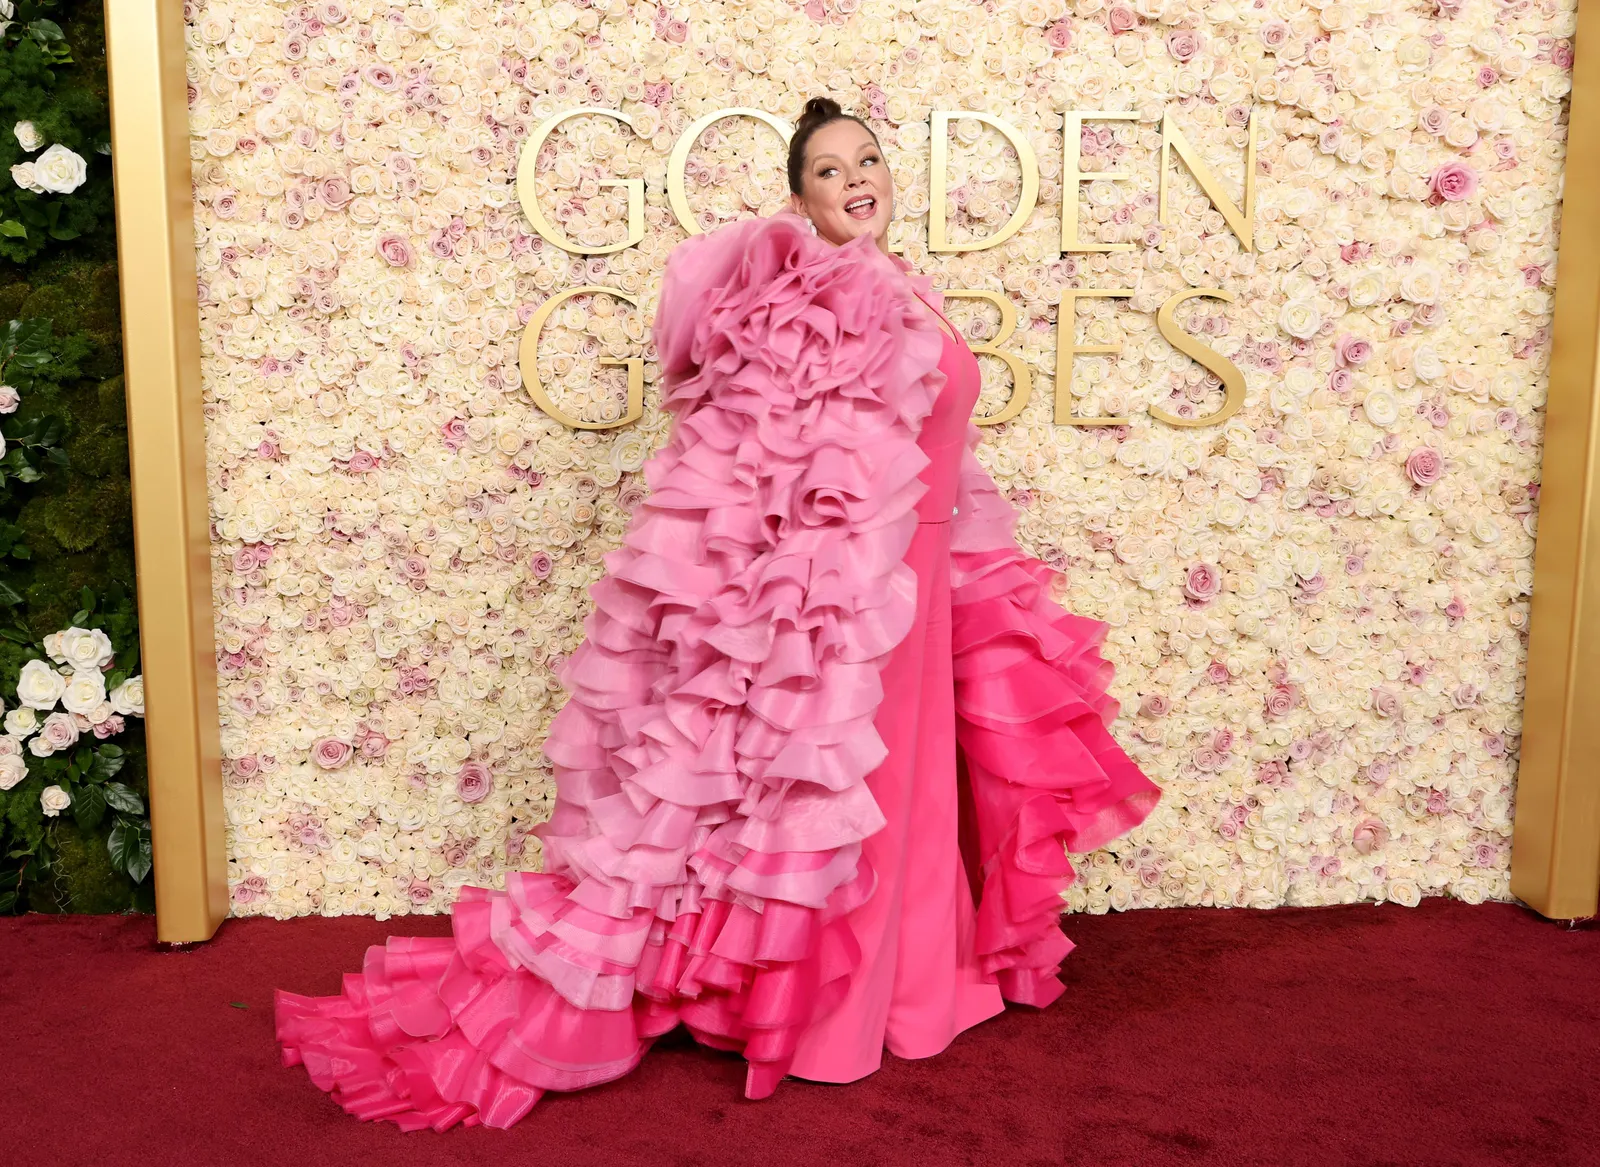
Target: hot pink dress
[(920, 982), (760, 832)]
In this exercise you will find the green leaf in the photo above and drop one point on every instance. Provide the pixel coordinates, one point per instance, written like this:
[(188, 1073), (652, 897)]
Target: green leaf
[(79, 618), (129, 844), (8, 594), (110, 750), (89, 807), (45, 31), (122, 798), (238, 1005), (17, 635), (86, 598), (11, 229)]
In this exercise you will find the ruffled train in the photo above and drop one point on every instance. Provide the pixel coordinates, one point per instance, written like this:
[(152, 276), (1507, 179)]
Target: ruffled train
[(705, 852)]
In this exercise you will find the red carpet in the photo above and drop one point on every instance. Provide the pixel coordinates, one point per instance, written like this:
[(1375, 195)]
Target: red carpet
[(1361, 1035)]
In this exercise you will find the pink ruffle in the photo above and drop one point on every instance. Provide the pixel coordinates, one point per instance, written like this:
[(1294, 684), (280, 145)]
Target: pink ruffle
[(1045, 775), (710, 761)]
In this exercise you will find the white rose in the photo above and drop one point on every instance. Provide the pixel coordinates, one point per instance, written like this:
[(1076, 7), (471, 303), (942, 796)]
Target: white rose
[(1426, 363), (22, 174), (52, 648), (1366, 289), (12, 770), (1381, 408), (128, 697), (22, 721), (60, 171), (54, 800), (40, 686), (84, 692), (1300, 319), (28, 136), (9, 400), (59, 732), (84, 648)]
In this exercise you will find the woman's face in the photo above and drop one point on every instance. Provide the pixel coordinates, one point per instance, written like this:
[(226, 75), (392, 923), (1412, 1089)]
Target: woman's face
[(845, 187)]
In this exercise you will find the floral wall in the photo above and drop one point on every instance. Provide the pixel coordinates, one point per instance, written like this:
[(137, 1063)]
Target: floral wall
[(1318, 608)]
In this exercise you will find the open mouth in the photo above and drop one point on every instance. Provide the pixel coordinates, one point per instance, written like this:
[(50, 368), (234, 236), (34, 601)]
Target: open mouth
[(861, 208)]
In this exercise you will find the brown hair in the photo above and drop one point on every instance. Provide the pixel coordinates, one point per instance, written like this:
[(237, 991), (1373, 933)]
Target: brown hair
[(819, 112)]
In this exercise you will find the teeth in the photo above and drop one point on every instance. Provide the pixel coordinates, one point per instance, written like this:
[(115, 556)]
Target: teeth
[(858, 203)]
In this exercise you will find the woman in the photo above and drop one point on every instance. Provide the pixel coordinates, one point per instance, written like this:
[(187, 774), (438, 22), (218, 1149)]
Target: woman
[(759, 830)]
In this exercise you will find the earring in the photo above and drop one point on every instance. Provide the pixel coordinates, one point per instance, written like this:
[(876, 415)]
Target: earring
[(812, 223)]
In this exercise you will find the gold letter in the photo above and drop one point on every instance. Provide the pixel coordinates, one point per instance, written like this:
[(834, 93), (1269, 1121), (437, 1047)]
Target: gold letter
[(1244, 225), (1021, 377), (677, 162), (938, 179), (529, 197), (1072, 176), (1232, 379), (1067, 347), (528, 361)]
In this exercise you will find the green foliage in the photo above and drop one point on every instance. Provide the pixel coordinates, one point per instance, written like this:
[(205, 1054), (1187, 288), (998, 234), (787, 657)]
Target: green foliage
[(63, 94), (66, 529)]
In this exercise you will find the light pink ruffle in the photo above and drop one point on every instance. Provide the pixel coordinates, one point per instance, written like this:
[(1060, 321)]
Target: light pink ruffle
[(710, 762)]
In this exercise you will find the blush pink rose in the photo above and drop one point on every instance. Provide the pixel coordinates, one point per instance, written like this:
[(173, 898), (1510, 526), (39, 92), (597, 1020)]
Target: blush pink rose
[(1183, 44), (395, 250), (1454, 181), (1281, 699), (1424, 466), (1122, 19), (1202, 582), (330, 753), (474, 782), (1059, 36), (1154, 705), (1351, 351)]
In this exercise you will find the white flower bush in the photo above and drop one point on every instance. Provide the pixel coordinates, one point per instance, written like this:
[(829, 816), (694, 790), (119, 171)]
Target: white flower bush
[(1318, 609)]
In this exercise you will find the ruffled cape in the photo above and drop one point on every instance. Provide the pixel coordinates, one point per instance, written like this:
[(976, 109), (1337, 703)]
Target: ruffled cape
[(711, 761)]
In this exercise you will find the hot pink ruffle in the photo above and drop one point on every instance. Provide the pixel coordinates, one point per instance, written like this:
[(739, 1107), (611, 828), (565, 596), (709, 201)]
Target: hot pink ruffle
[(1031, 714), (710, 762)]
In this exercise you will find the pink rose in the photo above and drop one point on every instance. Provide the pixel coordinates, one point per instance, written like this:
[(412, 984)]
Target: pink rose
[(394, 249), (334, 191), (541, 565), (419, 892), (1351, 351), (1386, 702), (381, 77), (474, 782), (1465, 695), (1183, 44), (1424, 466), (1368, 836), (1122, 19), (1202, 582), (1454, 181), (330, 753), (1275, 34), (1217, 673), (1281, 699), (1059, 36), (454, 433), (1154, 705)]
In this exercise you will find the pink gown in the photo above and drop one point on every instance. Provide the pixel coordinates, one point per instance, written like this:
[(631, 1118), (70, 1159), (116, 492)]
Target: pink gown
[(919, 983), (760, 833)]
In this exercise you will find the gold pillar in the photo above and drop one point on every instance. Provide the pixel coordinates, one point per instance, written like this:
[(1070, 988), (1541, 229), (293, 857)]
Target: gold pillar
[(1555, 852), (166, 438)]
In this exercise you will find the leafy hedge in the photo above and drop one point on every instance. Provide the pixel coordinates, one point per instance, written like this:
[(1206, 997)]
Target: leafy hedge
[(66, 530)]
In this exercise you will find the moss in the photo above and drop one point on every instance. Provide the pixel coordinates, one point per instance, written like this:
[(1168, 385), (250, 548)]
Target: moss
[(84, 879), (66, 538)]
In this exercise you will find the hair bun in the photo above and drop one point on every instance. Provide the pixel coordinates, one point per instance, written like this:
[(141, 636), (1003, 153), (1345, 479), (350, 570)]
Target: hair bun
[(821, 109)]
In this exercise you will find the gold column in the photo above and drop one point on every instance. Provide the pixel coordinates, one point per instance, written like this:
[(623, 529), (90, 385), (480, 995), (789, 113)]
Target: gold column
[(1555, 855), (166, 437)]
